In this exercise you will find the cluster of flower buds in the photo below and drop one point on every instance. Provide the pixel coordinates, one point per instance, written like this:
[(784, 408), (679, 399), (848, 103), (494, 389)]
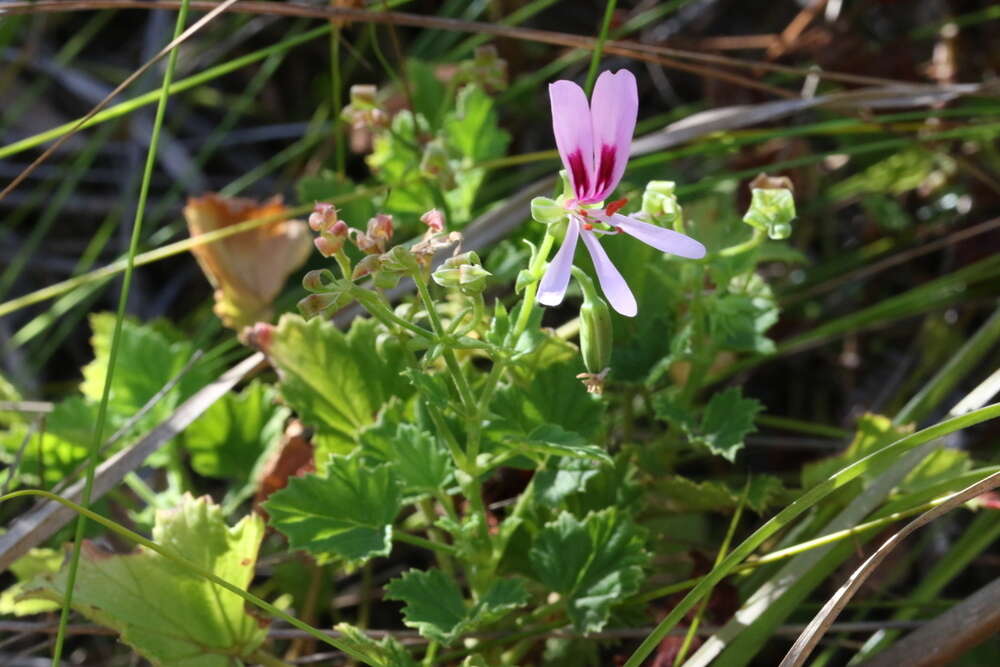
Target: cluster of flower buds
[(486, 69), (363, 113), (660, 203), (772, 206), (332, 231), (464, 272), (375, 239)]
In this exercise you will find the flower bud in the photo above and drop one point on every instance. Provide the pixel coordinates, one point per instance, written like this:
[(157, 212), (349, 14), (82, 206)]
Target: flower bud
[(322, 217), (547, 211), (363, 96), (772, 210), (463, 272), (434, 219), (595, 326), (380, 230), (660, 203)]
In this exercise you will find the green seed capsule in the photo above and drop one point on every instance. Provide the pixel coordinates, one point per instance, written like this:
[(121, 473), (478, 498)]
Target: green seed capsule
[(595, 326)]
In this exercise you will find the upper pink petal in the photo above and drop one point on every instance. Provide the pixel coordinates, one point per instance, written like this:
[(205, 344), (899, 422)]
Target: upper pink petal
[(552, 286), (614, 106), (664, 240), (614, 286), (573, 130)]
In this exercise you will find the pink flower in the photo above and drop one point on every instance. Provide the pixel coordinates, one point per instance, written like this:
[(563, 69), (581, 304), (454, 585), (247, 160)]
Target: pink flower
[(593, 141)]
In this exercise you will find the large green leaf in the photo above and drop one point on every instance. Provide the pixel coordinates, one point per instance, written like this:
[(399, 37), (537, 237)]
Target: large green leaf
[(348, 511), (168, 615), (435, 607), (592, 563), (336, 382), (229, 438)]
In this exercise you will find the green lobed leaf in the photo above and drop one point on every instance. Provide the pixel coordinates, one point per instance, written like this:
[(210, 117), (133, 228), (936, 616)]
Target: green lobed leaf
[(593, 563), (336, 382), (347, 511), (149, 356), (725, 422), (229, 438), (473, 128), (168, 615), (420, 461), (435, 607), (727, 419)]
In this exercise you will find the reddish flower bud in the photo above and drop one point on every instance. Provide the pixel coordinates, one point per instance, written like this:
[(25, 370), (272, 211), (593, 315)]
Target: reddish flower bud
[(260, 336), (434, 219), (380, 227), (323, 216), (328, 247)]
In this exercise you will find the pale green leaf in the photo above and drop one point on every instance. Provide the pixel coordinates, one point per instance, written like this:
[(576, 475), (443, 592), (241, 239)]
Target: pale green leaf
[(35, 563), (336, 382), (168, 615)]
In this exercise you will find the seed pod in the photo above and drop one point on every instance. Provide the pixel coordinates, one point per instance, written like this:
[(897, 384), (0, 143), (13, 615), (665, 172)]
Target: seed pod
[(595, 326)]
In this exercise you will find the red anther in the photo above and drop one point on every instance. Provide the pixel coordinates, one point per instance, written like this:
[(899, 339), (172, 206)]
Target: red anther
[(615, 206), (587, 226), (584, 213)]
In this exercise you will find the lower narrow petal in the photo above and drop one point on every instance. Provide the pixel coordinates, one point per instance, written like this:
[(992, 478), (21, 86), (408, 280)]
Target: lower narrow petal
[(664, 240), (552, 287), (614, 286)]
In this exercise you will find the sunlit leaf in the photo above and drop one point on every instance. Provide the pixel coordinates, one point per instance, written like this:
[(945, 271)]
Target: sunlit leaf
[(592, 563), (168, 615), (347, 511)]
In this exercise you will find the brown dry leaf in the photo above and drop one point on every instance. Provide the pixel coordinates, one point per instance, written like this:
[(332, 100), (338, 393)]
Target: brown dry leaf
[(293, 457), (248, 269)]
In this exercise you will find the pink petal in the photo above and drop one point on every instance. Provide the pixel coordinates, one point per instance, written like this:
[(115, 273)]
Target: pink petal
[(614, 106), (664, 240), (552, 287), (574, 134), (614, 286)]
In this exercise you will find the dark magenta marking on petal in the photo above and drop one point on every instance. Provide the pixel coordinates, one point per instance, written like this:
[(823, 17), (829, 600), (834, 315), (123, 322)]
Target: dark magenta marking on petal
[(605, 167), (580, 180)]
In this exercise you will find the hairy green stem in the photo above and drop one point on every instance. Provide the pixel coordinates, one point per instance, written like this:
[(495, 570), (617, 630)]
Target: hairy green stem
[(528, 302)]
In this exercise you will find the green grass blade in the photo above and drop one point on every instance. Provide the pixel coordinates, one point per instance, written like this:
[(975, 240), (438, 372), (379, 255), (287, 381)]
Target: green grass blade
[(102, 413)]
